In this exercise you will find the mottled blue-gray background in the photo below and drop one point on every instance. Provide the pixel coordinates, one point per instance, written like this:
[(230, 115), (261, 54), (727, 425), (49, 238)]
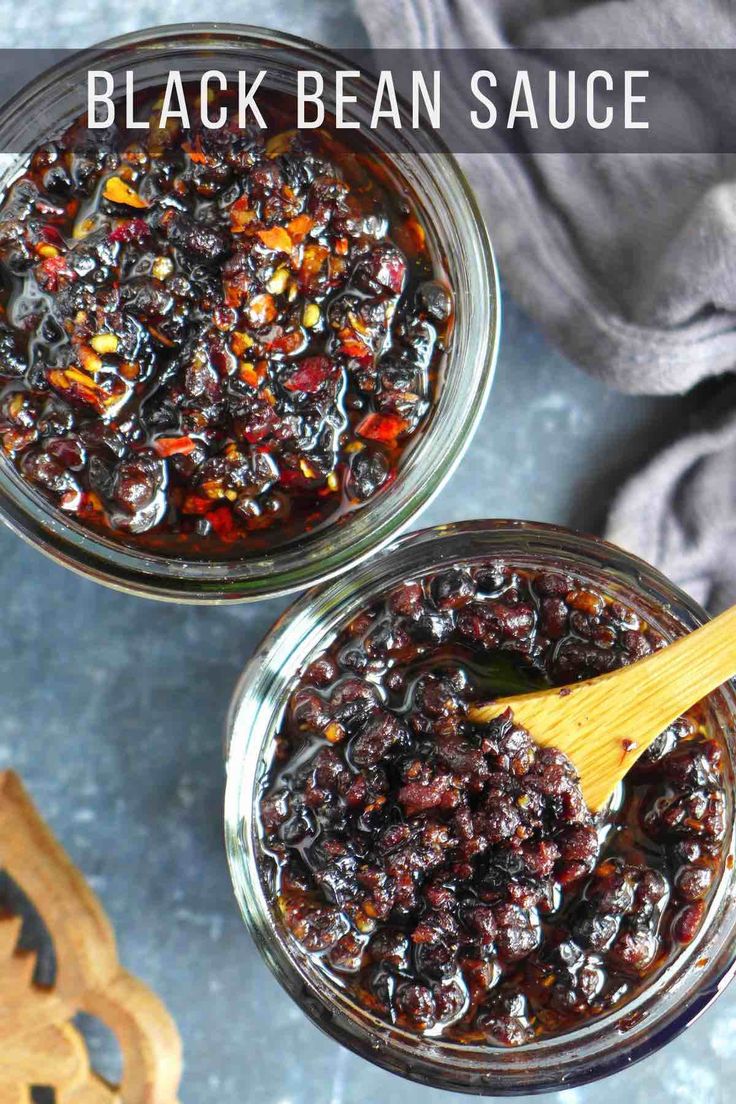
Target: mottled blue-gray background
[(113, 707)]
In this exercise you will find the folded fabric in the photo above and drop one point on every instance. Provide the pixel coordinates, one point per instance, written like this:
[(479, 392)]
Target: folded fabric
[(626, 261), (680, 513)]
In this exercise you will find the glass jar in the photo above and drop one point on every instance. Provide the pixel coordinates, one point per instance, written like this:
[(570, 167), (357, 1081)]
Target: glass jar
[(663, 1008), (455, 227)]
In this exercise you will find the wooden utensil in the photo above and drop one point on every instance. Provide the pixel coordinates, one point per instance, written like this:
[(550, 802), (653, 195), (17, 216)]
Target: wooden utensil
[(604, 724), (39, 1043)]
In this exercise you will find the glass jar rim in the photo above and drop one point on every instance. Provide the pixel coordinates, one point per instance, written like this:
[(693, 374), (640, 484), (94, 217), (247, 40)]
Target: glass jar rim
[(670, 1003), (469, 368)]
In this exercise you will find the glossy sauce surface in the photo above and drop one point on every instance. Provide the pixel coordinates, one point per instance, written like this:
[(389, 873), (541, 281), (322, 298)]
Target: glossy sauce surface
[(213, 342), (450, 874)]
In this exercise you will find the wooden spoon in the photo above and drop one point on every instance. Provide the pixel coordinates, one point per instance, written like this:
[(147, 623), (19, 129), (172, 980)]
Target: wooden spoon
[(604, 724)]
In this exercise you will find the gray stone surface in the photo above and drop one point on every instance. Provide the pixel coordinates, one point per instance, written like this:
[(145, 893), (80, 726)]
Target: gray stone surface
[(113, 709)]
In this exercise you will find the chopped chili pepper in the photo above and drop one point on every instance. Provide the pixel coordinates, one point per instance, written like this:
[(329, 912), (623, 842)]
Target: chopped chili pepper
[(310, 374), (117, 191), (241, 215), (174, 446), (299, 227), (53, 272), (130, 230), (196, 504), (261, 310), (381, 427), (223, 523), (276, 238)]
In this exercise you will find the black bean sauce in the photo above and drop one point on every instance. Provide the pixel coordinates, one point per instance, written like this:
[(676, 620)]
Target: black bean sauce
[(213, 342), (449, 873)]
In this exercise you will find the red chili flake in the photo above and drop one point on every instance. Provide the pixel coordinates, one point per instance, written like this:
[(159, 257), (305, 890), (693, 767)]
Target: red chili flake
[(277, 239), (241, 215), (51, 234), (170, 446), (249, 374), (118, 190), (240, 343), (261, 310), (354, 346), (381, 427), (310, 374), (313, 261), (289, 478), (299, 227), (223, 523), (14, 440), (288, 342), (196, 504), (194, 152), (261, 421), (89, 505), (52, 270), (130, 230), (237, 289)]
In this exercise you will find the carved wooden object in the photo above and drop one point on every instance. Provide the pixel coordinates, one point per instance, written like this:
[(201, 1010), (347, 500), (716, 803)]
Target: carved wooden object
[(39, 1045)]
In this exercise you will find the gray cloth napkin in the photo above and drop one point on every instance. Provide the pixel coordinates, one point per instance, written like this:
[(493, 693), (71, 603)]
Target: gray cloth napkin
[(628, 262), (680, 513)]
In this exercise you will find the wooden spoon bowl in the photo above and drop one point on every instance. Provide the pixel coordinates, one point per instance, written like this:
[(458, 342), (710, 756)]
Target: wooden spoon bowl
[(605, 724)]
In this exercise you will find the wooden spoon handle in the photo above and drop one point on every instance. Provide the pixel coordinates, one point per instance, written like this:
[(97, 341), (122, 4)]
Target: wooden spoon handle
[(665, 684), (662, 685)]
